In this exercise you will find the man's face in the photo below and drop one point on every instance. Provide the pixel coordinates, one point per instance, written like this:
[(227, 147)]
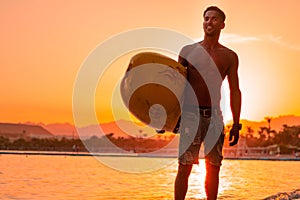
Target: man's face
[(212, 23)]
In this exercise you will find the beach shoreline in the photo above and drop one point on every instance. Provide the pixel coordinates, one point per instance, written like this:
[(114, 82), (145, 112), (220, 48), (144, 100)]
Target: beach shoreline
[(154, 155)]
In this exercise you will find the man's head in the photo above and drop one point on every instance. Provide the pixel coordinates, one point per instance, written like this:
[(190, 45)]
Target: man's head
[(213, 22), (218, 10)]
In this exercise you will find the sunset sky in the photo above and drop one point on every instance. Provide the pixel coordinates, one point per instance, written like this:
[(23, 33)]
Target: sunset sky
[(44, 44)]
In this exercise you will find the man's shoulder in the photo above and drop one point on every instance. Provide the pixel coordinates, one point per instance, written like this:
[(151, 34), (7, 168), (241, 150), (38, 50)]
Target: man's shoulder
[(231, 57), (229, 51), (185, 50), (189, 46)]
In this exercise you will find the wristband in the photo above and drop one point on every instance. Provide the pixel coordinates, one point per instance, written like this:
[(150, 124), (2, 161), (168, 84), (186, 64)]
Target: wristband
[(239, 126)]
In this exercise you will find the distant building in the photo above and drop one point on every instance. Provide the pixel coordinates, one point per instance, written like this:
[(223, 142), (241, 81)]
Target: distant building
[(17, 131), (242, 150)]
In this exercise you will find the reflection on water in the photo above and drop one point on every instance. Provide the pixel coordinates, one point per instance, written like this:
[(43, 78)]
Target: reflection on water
[(136, 164), (74, 177), (196, 181)]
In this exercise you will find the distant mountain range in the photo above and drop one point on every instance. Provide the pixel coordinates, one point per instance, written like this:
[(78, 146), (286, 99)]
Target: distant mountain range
[(123, 128), (15, 131)]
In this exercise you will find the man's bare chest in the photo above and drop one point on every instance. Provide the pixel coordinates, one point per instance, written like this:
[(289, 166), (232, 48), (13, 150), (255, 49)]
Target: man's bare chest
[(222, 61)]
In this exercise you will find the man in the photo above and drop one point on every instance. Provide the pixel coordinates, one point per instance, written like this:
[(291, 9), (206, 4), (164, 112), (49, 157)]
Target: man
[(208, 63)]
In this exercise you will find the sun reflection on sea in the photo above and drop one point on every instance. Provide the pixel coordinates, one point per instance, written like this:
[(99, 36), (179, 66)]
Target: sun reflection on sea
[(196, 181), (226, 176), (72, 177)]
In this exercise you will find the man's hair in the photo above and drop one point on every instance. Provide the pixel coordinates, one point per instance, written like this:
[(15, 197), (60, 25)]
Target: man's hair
[(215, 8)]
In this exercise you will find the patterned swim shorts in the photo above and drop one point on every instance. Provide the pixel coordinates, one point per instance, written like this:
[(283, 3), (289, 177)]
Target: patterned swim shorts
[(195, 130)]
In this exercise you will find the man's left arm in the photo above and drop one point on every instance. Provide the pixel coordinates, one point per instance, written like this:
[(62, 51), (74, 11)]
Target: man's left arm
[(235, 100)]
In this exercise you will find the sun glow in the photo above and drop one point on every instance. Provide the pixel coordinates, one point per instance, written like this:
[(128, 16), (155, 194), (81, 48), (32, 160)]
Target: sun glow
[(42, 52)]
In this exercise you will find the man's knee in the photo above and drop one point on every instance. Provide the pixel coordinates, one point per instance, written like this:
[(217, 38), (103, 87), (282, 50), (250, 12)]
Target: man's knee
[(212, 170), (211, 165)]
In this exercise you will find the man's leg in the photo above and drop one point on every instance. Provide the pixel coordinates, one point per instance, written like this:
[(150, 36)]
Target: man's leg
[(189, 146), (212, 181), (181, 182), (213, 162)]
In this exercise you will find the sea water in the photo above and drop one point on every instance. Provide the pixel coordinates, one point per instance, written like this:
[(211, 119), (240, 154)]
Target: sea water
[(87, 177)]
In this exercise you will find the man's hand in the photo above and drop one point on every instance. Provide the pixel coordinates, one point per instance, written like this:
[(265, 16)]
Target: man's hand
[(234, 134)]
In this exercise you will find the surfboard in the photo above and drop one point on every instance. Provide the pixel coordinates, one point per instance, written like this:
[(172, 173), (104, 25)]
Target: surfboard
[(152, 89)]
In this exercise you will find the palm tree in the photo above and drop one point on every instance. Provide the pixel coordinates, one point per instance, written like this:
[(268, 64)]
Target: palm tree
[(250, 132), (262, 134), (269, 130), (269, 119)]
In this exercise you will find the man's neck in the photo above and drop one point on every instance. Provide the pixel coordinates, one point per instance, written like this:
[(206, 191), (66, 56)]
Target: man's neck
[(211, 42)]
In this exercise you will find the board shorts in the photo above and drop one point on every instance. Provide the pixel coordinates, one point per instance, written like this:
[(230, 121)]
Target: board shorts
[(195, 127)]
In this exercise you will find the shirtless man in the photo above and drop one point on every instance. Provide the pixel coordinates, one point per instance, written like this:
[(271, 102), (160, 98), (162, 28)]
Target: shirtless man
[(203, 97)]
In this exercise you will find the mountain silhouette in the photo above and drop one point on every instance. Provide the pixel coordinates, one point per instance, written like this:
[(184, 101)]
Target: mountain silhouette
[(124, 128)]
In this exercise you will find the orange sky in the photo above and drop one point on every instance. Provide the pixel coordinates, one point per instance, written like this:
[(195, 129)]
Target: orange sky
[(44, 43)]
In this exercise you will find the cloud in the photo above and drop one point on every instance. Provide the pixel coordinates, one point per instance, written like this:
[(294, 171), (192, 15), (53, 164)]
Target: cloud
[(278, 40), (231, 38)]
